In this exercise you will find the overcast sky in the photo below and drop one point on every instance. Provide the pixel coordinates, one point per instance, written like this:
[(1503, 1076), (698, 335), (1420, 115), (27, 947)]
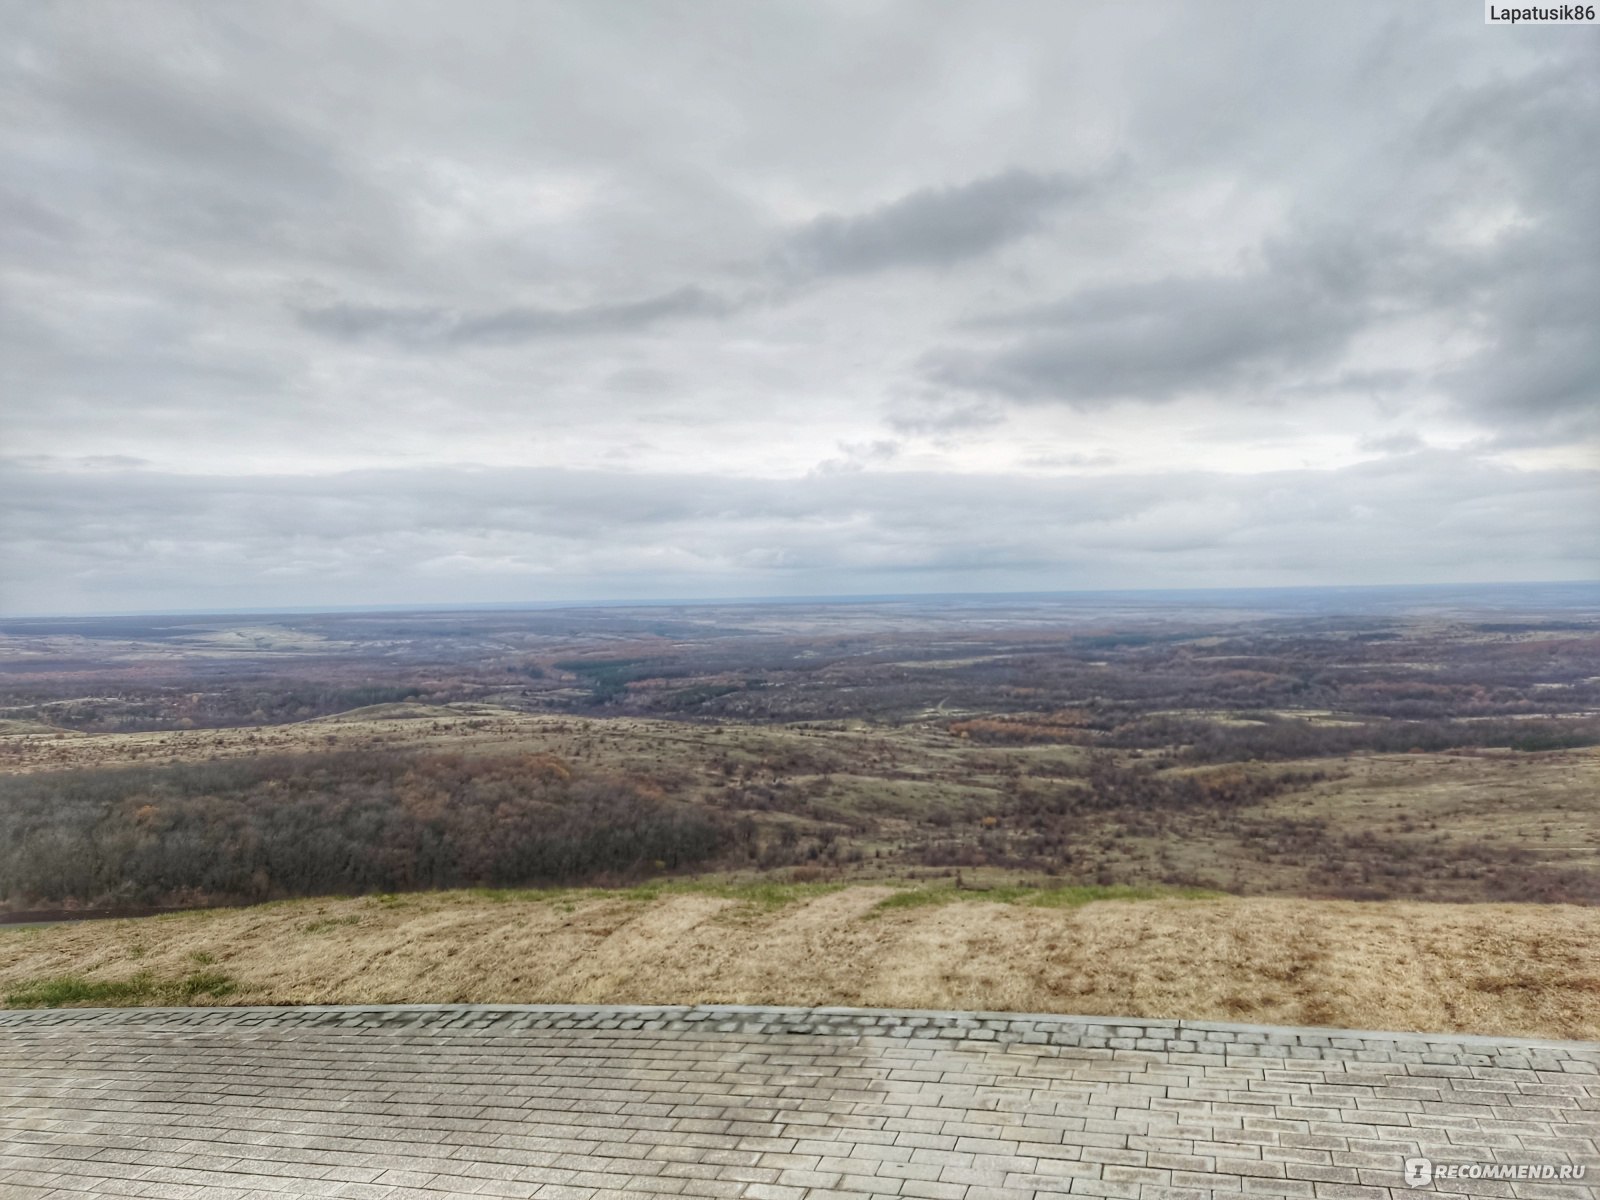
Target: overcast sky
[(345, 303)]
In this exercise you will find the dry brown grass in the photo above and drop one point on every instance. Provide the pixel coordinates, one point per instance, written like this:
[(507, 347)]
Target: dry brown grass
[(465, 728), (1496, 969)]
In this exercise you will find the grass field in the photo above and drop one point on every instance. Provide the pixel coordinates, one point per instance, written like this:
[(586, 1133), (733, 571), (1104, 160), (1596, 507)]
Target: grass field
[(1482, 968)]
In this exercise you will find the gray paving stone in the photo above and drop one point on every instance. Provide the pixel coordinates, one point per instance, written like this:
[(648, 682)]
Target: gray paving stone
[(588, 1103)]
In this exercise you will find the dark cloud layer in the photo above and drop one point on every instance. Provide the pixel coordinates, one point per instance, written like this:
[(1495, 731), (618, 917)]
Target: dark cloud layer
[(328, 303), (933, 227), (1161, 339), (434, 327)]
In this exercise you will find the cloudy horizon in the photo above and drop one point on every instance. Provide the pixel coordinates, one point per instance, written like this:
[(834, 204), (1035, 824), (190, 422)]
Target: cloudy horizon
[(355, 304)]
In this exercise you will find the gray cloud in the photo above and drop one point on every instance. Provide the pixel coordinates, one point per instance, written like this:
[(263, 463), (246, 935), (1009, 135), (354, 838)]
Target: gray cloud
[(942, 416), (433, 327), (1160, 339), (932, 227), (1396, 443), (929, 228)]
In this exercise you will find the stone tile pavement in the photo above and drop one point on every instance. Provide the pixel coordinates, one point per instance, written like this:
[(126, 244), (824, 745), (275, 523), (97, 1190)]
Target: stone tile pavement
[(422, 1102)]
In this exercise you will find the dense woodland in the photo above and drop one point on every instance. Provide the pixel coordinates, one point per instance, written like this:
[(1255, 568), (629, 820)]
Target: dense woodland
[(272, 827), (266, 828)]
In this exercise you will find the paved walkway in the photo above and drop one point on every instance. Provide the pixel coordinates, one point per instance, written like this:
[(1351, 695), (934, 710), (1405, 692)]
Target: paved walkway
[(424, 1102)]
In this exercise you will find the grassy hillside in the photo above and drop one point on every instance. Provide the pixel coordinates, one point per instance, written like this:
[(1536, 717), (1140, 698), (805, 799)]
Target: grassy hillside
[(1480, 968)]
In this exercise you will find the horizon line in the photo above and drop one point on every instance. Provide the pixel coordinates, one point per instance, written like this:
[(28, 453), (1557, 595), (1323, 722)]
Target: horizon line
[(821, 598)]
